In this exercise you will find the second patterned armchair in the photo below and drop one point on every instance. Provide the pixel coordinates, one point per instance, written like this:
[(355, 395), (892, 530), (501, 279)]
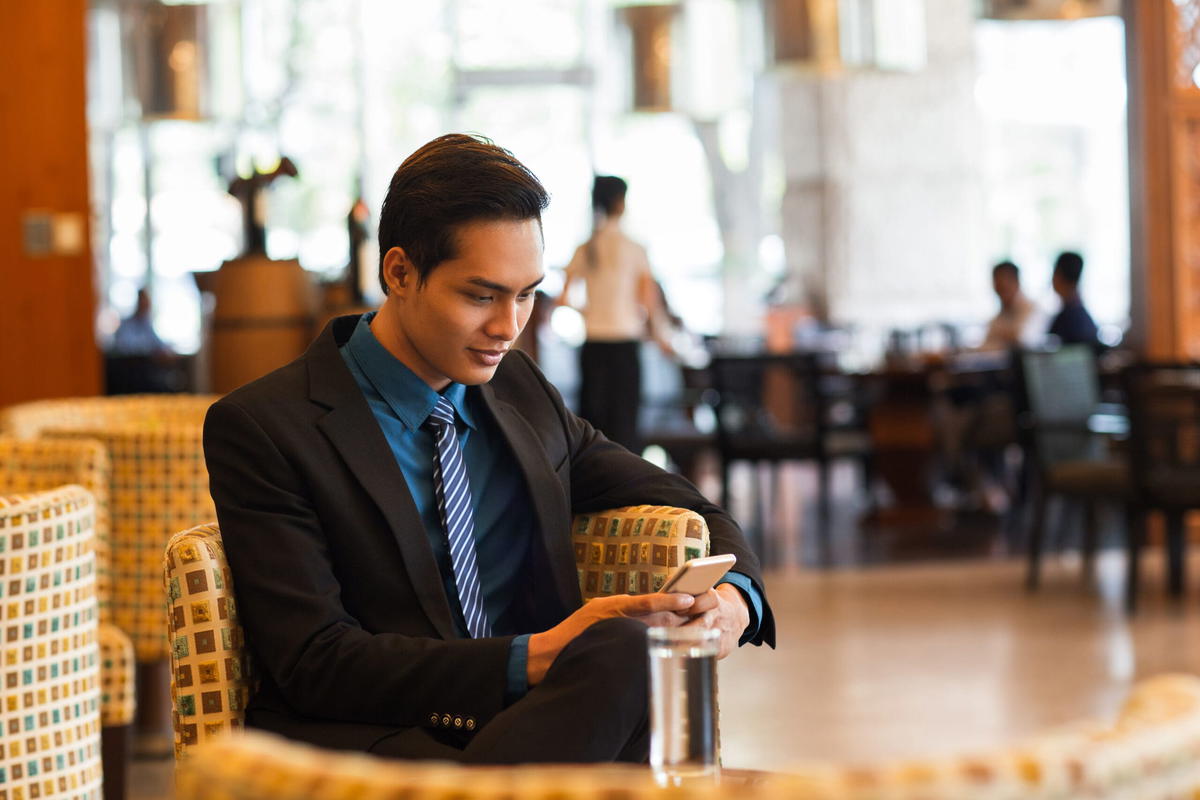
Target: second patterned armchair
[(625, 550), (157, 484)]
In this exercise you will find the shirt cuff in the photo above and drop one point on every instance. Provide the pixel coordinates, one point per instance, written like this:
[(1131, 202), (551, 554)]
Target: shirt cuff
[(518, 669), (753, 601)]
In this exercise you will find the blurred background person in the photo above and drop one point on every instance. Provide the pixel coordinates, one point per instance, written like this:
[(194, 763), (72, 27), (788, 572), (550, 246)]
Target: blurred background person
[(621, 297), (135, 336), (1073, 324), (1015, 323)]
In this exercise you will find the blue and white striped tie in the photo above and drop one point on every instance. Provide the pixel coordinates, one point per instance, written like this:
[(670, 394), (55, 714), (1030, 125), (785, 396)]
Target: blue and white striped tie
[(453, 492)]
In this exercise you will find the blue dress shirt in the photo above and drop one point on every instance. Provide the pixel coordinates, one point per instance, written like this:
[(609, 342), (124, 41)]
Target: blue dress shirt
[(504, 520)]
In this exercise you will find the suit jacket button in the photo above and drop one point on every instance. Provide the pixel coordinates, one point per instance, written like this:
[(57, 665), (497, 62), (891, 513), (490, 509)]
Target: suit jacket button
[(470, 723), (433, 719), (446, 720), (458, 722)]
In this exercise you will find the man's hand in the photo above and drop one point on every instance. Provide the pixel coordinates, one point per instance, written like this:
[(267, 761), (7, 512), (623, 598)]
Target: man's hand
[(725, 609), (655, 610)]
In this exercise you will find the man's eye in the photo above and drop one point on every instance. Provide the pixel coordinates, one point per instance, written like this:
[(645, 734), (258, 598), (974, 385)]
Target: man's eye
[(524, 296), (480, 298)]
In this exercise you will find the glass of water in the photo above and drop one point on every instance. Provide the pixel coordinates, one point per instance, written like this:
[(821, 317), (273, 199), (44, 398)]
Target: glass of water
[(683, 704)]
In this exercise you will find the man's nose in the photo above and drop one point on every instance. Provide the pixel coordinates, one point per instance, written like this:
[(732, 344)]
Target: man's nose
[(505, 324)]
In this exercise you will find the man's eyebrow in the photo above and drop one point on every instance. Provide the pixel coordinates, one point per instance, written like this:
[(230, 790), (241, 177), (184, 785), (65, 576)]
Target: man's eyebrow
[(499, 287)]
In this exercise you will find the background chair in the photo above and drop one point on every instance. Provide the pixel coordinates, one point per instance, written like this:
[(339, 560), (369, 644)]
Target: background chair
[(1164, 451), (1065, 455), (772, 408), (66, 675), (158, 484), (621, 550)]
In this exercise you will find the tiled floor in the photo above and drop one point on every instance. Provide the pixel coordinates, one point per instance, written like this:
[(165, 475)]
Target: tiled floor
[(950, 657)]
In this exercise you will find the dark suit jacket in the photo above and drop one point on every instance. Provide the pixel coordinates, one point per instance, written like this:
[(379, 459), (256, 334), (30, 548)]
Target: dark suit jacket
[(343, 607)]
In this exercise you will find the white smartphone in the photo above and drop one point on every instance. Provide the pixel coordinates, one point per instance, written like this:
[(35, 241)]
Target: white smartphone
[(698, 575)]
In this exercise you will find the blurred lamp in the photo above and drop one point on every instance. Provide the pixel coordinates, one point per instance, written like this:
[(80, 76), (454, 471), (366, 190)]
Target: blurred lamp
[(169, 58), (1050, 9), (650, 30)]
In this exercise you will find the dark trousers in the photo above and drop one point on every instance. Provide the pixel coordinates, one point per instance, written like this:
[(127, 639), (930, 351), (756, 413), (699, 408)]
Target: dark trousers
[(610, 389), (592, 706)]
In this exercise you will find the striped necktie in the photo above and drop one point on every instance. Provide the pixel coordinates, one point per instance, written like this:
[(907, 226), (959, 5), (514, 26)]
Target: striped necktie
[(453, 492)]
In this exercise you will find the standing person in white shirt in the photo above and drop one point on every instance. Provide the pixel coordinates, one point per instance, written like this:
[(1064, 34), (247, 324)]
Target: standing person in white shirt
[(621, 298)]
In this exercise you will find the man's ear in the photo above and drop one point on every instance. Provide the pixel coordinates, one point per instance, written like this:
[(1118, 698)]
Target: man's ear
[(398, 272)]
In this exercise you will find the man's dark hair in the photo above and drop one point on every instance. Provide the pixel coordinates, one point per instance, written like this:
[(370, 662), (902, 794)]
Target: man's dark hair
[(1069, 266), (608, 191), (453, 180), (1009, 267)]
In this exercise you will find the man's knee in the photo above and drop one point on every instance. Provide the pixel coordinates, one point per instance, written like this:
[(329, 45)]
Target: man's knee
[(609, 650)]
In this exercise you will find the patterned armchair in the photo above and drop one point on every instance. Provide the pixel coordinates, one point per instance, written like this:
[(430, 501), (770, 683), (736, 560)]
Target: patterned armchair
[(158, 485), (1147, 753), (65, 674), (626, 549), (45, 464)]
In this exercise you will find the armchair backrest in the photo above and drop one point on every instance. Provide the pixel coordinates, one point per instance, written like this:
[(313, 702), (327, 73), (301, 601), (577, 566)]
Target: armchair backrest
[(49, 655), (38, 465), (1164, 433), (1061, 391)]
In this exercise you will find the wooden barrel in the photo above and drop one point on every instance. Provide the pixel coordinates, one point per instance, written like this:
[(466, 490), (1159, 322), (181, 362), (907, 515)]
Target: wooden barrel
[(263, 318)]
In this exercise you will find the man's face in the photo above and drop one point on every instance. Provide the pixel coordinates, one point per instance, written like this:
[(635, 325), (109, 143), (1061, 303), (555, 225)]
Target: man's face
[(1005, 286), (458, 325)]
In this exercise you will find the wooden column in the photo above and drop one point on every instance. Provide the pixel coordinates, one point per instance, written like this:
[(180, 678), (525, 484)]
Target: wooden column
[(47, 299), (1163, 51)]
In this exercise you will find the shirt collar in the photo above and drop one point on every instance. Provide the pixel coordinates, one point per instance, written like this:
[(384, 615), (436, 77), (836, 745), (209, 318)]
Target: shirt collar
[(409, 397)]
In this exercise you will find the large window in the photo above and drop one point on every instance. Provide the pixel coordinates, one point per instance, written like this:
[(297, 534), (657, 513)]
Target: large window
[(1052, 99), (347, 90)]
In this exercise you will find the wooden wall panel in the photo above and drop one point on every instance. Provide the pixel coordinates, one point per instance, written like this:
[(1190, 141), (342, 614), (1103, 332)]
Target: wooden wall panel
[(47, 303), (1163, 47)]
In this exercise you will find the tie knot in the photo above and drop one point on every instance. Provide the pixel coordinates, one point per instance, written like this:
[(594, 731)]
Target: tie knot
[(442, 414)]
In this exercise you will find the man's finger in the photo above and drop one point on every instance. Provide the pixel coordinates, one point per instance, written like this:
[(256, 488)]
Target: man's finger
[(659, 601), (663, 619), (705, 602)]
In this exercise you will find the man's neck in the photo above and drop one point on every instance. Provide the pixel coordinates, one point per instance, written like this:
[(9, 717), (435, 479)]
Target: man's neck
[(387, 331)]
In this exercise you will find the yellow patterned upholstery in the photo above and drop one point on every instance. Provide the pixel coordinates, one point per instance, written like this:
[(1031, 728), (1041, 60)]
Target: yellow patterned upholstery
[(152, 411), (632, 550), (37, 465), (117, 673), (158, 485), (254, 765), (1148, 753), (212, 673), (210, 669), (44, 464), (49, 656)]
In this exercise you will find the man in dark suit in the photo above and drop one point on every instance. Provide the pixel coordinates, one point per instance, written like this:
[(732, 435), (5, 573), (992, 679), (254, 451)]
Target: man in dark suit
[(395, 507)]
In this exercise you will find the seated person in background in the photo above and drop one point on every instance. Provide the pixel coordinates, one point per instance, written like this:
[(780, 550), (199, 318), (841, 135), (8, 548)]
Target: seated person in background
[(976, 419), (395, 506), (1073, 324), (138, 360), (135, 336), (1012, 326)]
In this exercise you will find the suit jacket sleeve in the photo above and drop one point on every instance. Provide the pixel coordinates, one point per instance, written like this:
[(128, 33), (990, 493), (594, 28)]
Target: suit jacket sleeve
[(325, 664), (606, 475)]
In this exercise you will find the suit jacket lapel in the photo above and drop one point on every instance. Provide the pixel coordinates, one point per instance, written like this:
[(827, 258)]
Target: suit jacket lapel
[(353, 430), (550, 507)]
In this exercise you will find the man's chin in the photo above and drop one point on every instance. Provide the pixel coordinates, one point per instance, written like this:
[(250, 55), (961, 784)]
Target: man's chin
[(475, 375)]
